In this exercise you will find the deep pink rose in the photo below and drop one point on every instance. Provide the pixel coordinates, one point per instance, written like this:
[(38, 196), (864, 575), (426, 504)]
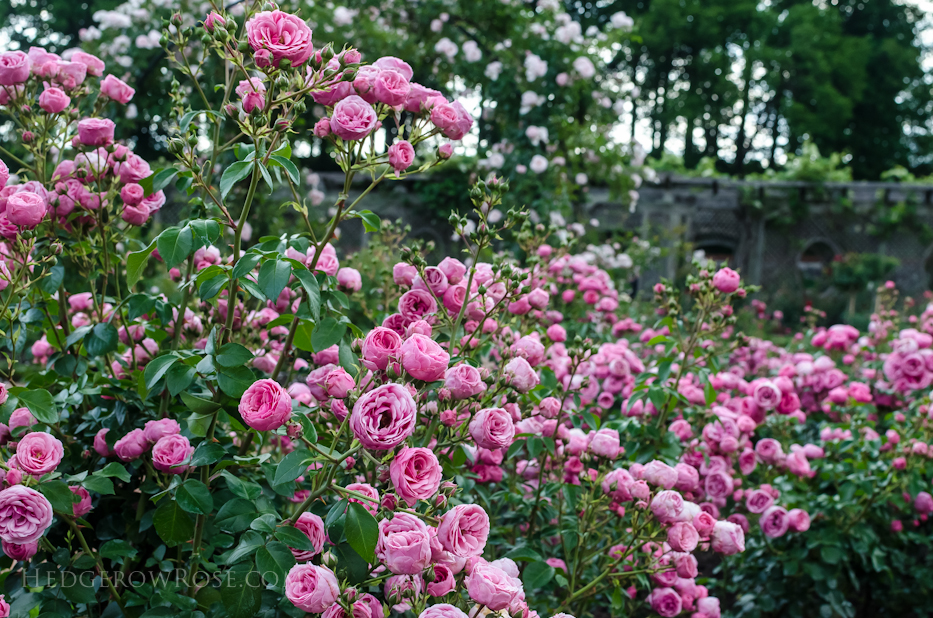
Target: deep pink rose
[(26, 209), (666, 602), (726, 280), (769, 450), (265, 405), (252, 93), (83, 506), (423, 358), (463, 530), (313, 527), (54, 100), (213, 20), (384, 417), (718, 484), (96, 131), (20, 551), (492, 587), (311, 587), (379, 346), (404, 274), (285, 36), (404, 544), (25, 514), (39, 453), (464, 381), (4, 174), (353, 118), (492, 428), (401, 155), (774, 522), (416, 474), (156, 430), (758, 501), (727, 538), (14, 68), (170, 453), (116, 89), (415, 304)]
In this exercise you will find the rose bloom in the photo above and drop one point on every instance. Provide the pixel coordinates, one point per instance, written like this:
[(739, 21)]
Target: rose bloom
[(20, 551), (132, 445), (170, 452), (416, 474), (667, 506), (253, 94), (265, 405), (311, 587), (83, 506), (404, 544), (774, 522), (463, 530), (95, 66), (492, 428), (391, 88), (313, 527), (116, 89), (378, 346), (520, 375), (25, 514), (682, 536), (54, 100), (353, 118), (718, 484), (767, 396), (660, 474), (415, 304), (452, 119), (727, 538), (666, 602), (464, 381), (349, 279), (384, 417), (442, 610), (726, 280), (758, 501), (492, 587), (798, 520), (39, 453), (605, 443), (26, 209), (423, 358), (155, 430), (367, 490), (14, 68), (401, 156), (284, 36), (100, 443), (96, 131)]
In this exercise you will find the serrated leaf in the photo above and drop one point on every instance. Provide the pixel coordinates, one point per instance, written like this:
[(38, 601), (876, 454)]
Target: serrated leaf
[(102, 339), (157, 368), (233, 355), (179, 377), (312, 289), (199, 404), (99, 484), (245, 265), (294, 538), (371, 221), (290, 168), (116, 470), (234, 381), (241, 591)]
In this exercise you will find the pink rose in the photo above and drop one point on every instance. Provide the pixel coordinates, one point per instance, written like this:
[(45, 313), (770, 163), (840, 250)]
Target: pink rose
[(83, 506), (727, 538), (170, 453), (116, 89), (285, 36), (94, 66), (452, 119), (416, 474), (453, 268), (379, 345), (401, 155), (464, 381), (135, 215), (421, 99), (798, 520), (767, 396), (20, 551), (391, 63), (213, 20), (322, 127), (156, 430), (726, 280), (404, 274), (769, 450), (423, 358), (132, 445), (441, 610), (367, 490), (14, 68), (25, 514), (520, 375), (54, 100), (26, 209), (682, 536), (313, 527), (384, 417), (39, 453), (4, 174), (134, 169), (96, 131), (391, 88), (492, 587), (252, 93), (667, 506), (100, 443), (404, 544), (338, 383), (666, 602), (349, 279), (758, 501), (492, 428), (774, 522), (132, 194), (265, 405), (311, 587), (718, 484), (463, 530), (415, 304), (660, 474), (353, 118), (605, 443)]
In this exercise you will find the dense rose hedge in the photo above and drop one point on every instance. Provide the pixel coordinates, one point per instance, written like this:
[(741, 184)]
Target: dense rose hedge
[(499, 433)]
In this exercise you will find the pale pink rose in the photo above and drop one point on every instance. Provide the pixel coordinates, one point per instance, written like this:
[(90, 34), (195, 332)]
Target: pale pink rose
[(349, 279), (520, 375), (95, 66), (39, 453), (353, 118), (605, 443), (401, 154), (134, 169), (384, 417), (421, 98), (767, 395), (463, 530), (404, 274), (26, 209), (156, 430), (404, 544), (769, 450), (313, 527), (4, 174), (798, 520), (20, 551), (132, 445), (452, 119), (96, 131), (83, 506), (727, 538), (379, 346), (416, 474), (54, 100), (667, 506), (170, 453), (423, 358), (371, 505), (441, 610), (311, 587), (682, 536), (443, 584), (492, 428), (284, 36), (265, 405), (660, 474), (25, 514), (464, 381), (116, 89), (726, 280), (69, 74), (391, 63), (492, 587)]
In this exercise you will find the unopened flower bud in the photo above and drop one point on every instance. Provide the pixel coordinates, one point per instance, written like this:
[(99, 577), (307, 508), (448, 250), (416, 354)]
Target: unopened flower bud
[(285, 63), (293, 430), (389, 502), (176, 19), (327, 53), (28, 136)]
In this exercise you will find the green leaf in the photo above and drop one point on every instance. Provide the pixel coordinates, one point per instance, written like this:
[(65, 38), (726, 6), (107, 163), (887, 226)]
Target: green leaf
[(100, 484), (371, 221), (246, 265), (173, 525), (234, 381), (232, 175), (293, 537), (157, 368), (114, 469), (209, 289), (303, 334), (235, 515), (175, 245), (274, 561), (199, 404), (51, 283), (327, 333), (78, 587), (206, 231), (179, 377), (290, 168), (233, 355), (291, 467), (58, 494), (273, 277), (195, 497), (346, 357), (241, 591), (101, 340), (198, 424), (41, 404), (536, 575), (362, 531), (312, 288), (158, 181), (350, 565), (524, 554), (207, 453), (117, 549), (136, 262)]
